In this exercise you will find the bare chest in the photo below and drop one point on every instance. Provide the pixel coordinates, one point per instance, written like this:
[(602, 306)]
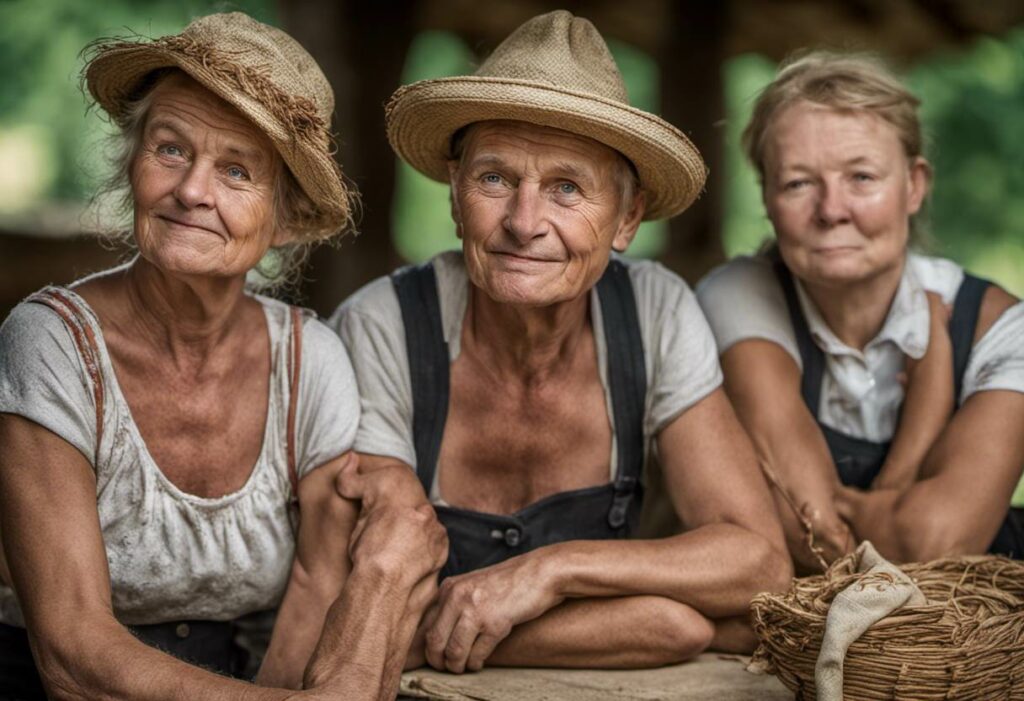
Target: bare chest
[(204, 433), (505, 446)]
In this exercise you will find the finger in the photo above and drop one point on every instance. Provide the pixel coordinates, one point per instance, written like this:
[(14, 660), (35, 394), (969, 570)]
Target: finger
[(349, 483), (482, 649), (461, 642), (357, 532), (441, 630)]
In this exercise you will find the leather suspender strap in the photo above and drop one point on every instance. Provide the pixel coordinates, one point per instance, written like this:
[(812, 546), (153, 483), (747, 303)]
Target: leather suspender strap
[(627, 380), (294, 370), (811, 356), (416, 288), (962, 323), (74, 318)]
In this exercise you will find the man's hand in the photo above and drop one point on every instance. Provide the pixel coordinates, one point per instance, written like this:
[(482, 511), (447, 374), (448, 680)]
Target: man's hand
[(476, 611), (402, 544), (374, 480)]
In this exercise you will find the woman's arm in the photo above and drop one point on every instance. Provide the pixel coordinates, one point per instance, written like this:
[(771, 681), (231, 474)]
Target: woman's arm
[(318, 574), (52, 538), (966, 480), (763, 382), (927, 407)]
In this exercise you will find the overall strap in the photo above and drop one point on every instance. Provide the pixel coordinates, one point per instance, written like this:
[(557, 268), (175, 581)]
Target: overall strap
[(812, 357), (627, 379), (74, 318), (294, 371), (962, 323), (416, 288)]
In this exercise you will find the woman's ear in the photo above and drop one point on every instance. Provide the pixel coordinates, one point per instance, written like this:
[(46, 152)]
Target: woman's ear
[(919, 182)]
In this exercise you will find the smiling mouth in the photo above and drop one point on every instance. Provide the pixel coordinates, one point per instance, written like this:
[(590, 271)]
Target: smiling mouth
[(521, 258), (187, 225)]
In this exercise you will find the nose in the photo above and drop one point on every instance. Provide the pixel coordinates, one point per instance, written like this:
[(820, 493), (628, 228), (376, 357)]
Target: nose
[(196, 186), (525, 218), (832, 208)]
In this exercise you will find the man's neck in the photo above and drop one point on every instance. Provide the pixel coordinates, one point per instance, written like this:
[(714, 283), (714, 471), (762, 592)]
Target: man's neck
[(525, 344)]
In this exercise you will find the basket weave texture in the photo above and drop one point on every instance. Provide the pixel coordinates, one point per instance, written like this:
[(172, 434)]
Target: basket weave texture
[(966, 643)]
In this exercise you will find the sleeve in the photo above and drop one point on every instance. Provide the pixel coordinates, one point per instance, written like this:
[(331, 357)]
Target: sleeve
[(327, 414), (370, 325), (997, 360), (742, 300), (43, 379), (684, 365)]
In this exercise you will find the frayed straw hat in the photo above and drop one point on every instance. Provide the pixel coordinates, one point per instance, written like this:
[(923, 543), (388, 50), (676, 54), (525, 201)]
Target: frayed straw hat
[(261, 71), (555, 70)]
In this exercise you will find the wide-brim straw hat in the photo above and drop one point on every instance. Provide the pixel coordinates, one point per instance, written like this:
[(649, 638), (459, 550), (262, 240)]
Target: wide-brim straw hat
[(258, 69), (555, 70)]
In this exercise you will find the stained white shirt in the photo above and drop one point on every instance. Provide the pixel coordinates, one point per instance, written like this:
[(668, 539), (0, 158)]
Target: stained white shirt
[(174, 555), (860, 393)]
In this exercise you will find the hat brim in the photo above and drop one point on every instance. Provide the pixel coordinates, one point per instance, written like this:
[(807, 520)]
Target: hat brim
[(422, 117), (114, 76)]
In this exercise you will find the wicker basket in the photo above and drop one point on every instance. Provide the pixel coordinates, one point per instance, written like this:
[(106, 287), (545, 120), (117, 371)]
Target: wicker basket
[(967, 643)]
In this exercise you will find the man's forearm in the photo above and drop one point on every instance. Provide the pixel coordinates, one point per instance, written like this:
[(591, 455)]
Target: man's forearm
[(359, 630), (716, 569)]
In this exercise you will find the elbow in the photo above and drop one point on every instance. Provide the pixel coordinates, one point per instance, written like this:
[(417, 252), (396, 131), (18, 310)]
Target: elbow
[(771, 568), (925, 534), (65, 658), (678, 633)]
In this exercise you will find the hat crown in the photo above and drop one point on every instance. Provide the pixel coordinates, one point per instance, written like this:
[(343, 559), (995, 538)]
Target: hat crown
[(267, 49), (560, 50)]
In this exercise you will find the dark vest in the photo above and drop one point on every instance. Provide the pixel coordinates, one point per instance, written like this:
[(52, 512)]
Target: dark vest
[(607, 511), (857, 460)]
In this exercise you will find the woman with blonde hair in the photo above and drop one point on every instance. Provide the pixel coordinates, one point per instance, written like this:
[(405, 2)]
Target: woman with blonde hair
[(841, 333)]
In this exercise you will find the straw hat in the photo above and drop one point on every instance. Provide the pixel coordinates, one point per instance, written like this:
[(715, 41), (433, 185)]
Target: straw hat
[(556, 71), (261, 71)]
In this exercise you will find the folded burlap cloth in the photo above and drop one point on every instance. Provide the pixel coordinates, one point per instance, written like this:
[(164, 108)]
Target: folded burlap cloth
[(709, 676), (882, 589)]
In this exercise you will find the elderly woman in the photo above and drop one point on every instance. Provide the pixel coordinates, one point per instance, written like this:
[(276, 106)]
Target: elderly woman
[(816, 334), (162, 428), (531, 378)]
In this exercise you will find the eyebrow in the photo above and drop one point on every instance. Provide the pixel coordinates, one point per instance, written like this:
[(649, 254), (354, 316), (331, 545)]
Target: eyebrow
[(248, 154)]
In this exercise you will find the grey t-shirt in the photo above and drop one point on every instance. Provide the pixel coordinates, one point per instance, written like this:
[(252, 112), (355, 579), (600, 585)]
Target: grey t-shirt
[(174, 555), (679, 351)]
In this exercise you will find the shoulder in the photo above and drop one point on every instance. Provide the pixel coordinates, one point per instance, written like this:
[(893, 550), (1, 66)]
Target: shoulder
[(939, 275), (743, 300), (657, 289), (32, 327), (742, 278), (994, 305)]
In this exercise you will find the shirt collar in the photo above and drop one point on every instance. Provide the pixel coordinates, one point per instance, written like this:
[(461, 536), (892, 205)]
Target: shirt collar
[(907, 324)]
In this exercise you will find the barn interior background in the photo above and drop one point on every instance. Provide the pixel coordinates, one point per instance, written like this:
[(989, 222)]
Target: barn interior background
[(695, 62)]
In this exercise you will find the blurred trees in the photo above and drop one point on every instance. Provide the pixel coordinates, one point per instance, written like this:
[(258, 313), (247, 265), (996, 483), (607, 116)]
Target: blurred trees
[(52, 155)]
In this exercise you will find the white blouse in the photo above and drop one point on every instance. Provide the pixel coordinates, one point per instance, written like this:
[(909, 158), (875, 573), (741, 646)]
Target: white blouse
[(174, 555), (860, 393)]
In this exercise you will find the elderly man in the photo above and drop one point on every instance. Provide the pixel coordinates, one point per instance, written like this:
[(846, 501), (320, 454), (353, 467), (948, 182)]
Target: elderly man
[(529, 379)]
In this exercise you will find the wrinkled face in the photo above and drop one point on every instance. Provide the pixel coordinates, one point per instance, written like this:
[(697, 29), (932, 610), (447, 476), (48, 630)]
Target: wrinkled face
[(839, 190), (203, 184), (539, 211)]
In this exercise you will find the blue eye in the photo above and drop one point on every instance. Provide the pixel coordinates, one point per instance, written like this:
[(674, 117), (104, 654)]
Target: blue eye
[(568, 188), (492, 179), (236, 173), (795, 184), (169, 150), (863, 177)]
